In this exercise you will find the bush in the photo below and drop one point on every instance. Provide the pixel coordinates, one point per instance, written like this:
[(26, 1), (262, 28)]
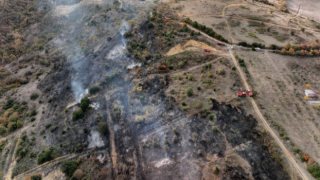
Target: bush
[(150, 25), (94, 90), (33, 113), (198, 88), (314, 170), (190, 92), (69, 167), (36, 177), (216, 171), (2, 130), (77, 114), (45, 156), (14, 118), (234, 68), (84, 104), (12, 126), (102, 128), (211, 116), (34, 96), (183, 103)]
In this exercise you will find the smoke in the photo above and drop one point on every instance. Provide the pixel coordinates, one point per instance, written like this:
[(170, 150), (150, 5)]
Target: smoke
[(95, 139)]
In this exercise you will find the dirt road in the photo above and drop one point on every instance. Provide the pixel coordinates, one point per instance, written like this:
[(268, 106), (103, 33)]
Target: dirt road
[(111, 137)]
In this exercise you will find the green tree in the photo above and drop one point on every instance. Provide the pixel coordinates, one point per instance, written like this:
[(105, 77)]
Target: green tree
[(45, 156), (13, 118), (69, 167), (195, 24), (102, 128), (77, 114), (84, 104), (94, 90)]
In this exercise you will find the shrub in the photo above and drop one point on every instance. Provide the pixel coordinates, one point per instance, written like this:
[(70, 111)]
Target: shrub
[(215, 128), (45, 156), (36, 177), (77, 114), (222, 72), (183, 103), (78, 174), (13, 118), (12, 126), (33, 113), (252, 35), (34, 96), (150, 25), (197, 105), (198, 88), (190, 92), (211, 116), (84, 104), (94, 90), (216, 171), (102, 128), (234, 68), (32, 119), (314, 170), (2, 130), (69, 167), (303, 29)]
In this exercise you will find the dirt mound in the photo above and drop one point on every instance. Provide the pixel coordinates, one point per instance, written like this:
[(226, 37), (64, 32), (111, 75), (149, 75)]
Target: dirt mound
[(190, 45)]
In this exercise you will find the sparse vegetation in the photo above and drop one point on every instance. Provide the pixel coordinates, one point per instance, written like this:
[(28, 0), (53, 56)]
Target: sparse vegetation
[(252, 35)]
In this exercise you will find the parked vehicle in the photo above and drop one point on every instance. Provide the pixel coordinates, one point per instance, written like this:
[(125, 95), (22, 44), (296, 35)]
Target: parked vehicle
[(207, 50), (242, 94), (250, 93)]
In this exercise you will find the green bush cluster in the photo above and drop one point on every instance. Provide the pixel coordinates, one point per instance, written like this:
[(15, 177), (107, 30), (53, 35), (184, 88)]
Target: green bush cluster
[(94, 90), (69, 167), (36, 177), (205, 29), (102, 128), (254, 45), (45, 156), (314, 170), (85, 102)]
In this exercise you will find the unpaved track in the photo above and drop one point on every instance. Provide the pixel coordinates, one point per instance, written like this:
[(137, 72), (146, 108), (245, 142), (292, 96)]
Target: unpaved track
[(195, 67), (111, 132), (12, 164)]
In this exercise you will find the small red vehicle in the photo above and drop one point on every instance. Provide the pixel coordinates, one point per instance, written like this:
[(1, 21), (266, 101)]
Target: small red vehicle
[(221, 44), (250, 93), (242, 94), (207, 50)]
